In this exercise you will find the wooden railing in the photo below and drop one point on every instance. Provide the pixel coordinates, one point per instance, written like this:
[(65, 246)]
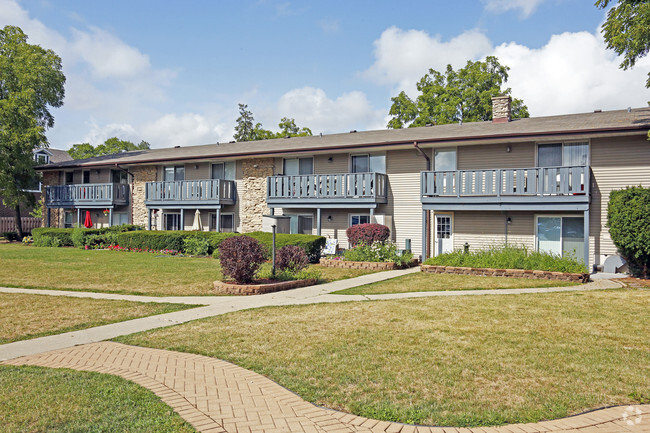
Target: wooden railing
[(344, 186), (537, 181), (207, 191), (94, 194)]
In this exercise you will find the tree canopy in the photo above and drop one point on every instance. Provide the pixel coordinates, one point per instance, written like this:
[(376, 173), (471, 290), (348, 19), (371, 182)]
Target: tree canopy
[(109, 147), (31, 82), (627, 30), (247, 130), (463, 95)]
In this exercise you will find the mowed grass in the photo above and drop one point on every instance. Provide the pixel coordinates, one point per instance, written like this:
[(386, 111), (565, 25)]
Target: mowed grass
[(28, 316), (454, 361), (425, 282), (36, 399), (118, 272)]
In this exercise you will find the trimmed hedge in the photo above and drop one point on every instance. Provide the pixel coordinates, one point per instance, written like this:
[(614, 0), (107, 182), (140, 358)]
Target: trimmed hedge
[(46, 235), (312, 244)]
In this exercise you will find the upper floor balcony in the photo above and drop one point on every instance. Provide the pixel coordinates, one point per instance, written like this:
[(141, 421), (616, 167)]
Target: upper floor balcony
[(87, 195), (327, 190), (537, 188), (190, 193)]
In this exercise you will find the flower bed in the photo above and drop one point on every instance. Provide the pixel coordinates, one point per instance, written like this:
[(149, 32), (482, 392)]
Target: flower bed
[(518, 273), (227, 288)]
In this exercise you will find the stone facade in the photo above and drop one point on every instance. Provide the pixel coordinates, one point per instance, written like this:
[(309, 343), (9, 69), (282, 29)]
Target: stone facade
[(141, 175), (253, 194), (501, 109), (56, 214)]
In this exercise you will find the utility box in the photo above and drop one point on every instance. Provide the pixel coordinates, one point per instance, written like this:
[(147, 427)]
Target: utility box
[(282, 223), (386, 220)]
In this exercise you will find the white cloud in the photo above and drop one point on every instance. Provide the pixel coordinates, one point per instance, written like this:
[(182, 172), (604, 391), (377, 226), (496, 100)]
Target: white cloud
[(329, 26), (526, 7), (185, 130), (312, 107), (402, 57)]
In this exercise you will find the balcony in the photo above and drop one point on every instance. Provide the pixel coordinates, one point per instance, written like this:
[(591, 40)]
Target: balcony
[(538, 188), (327, 190), (87, 195), (190, 193)]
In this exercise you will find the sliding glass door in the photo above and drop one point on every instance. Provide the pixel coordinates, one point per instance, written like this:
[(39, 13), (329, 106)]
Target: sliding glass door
[(561, 235)]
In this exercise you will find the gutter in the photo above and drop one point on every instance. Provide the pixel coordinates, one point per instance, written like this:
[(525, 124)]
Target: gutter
[(362, 146)]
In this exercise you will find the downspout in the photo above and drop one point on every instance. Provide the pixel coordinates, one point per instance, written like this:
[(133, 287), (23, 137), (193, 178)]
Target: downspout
[(425, 249)]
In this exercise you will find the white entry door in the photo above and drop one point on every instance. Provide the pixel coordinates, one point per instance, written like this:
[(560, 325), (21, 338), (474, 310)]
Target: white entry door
[(444, 242)]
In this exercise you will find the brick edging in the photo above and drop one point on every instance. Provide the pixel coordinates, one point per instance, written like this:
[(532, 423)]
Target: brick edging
[(258, 289), (518, 273)]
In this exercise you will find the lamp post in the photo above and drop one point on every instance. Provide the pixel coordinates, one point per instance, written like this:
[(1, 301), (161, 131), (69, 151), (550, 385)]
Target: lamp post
[(273, 227)]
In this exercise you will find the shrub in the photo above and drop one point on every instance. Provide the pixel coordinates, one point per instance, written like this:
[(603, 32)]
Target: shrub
[(241, 257), (628, 219), (43, 234), (196, 246), (152, 240), (312, 244), (10, 236), (291, 258), (378, 252), (367, 234), (509, 257)]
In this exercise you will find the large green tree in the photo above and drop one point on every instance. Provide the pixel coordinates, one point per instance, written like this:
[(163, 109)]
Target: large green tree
[(31, 82), (247, 130), (627, 30), (109, 147), (463, 95)]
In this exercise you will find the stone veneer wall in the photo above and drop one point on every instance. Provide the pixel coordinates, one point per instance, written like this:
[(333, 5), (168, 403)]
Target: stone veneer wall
[(252, 196), (501, 109), (56, 214), (141, 175)]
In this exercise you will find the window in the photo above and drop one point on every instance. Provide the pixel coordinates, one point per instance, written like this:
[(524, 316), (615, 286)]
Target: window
[(42, 158), (120, 218), (562, 154), (69, 178), (444, 159), (561, 235), (298, 166), (227, 222), (67, 219), (173, 173), (359, 219), (223, 170), (85, 178), (172, 221), (120, 176), (368, 163), (301, 224)]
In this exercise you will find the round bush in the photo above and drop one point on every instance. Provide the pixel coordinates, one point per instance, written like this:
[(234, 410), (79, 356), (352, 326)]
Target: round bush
[(241, 257), (291, 258), (367, 234)]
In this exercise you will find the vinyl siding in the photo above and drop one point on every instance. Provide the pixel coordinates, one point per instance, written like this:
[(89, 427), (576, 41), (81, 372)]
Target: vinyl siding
[(522, 155), (340, 163), (482, 230)]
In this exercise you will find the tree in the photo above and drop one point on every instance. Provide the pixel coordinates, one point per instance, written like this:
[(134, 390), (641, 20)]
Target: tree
[(627, 30), (247, 130), (464, 95), (628, 220), (109, 147), (31, 81)]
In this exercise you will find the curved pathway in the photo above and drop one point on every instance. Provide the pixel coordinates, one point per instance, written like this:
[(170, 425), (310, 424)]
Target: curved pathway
[(217, 396)]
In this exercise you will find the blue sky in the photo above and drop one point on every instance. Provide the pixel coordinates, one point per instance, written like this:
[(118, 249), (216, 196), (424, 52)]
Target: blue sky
[(173, 72)]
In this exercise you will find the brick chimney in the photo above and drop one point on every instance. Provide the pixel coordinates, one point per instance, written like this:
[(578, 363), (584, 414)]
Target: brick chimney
[(501, 109)]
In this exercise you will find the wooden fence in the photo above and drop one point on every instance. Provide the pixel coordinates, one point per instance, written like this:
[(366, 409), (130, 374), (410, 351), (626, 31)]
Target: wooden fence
[(7, 224)]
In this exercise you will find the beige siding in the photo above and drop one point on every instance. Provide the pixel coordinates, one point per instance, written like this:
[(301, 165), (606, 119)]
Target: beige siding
[(197, 171), (340, 163), (615, 164), (522, 155), (485, 229)]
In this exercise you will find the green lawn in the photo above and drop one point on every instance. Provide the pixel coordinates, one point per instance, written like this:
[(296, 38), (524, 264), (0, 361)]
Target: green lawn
[(28, 316), (460, 361), (425, 282), (117, 272), (36, 399)]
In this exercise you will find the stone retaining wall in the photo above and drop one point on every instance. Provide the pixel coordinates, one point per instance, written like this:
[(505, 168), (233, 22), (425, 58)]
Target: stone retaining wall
[(222, 287), (519, 273), (346, 264)]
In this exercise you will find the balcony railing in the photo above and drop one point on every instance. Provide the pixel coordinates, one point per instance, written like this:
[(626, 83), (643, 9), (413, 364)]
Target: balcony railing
[(88, 194), (190, 192), (327, 188), (538, 184)]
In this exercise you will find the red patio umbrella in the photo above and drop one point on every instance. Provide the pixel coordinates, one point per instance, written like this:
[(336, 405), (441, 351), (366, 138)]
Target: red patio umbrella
[(88, 223)]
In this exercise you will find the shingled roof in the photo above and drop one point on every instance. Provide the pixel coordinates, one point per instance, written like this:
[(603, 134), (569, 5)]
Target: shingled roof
[(598, 123)]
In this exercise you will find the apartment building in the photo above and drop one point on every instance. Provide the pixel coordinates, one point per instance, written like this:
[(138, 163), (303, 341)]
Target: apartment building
[(541, 182)]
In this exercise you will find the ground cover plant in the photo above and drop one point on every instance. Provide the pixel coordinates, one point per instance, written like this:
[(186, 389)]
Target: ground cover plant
[(425, 282), (509, 257), (39, 400), (459, 361), (28, 316), (152, 274)]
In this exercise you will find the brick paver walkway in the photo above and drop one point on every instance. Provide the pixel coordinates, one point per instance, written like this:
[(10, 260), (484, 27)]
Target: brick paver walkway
[(217, 396)]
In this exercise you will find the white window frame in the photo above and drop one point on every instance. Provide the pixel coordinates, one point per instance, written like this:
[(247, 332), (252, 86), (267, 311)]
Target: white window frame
[(562, 215), (563, 143), (222, 214), (350, 215), (44, 155), (434, 224)]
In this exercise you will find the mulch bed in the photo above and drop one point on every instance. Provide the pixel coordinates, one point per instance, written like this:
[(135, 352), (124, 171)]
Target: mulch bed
[(635, 283)]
